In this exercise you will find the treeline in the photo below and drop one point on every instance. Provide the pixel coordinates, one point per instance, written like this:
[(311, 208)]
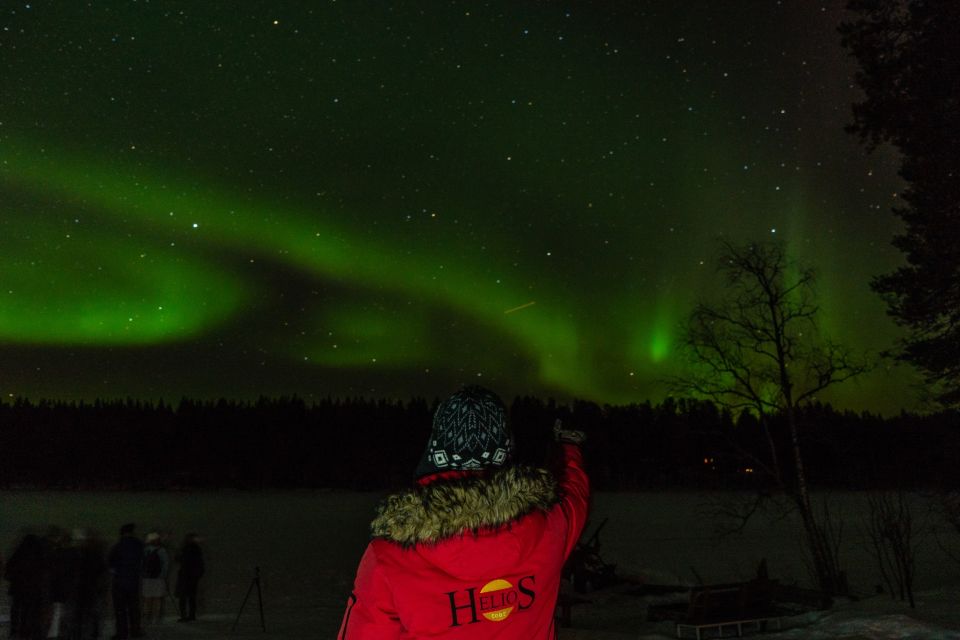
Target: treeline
[(374, 444)]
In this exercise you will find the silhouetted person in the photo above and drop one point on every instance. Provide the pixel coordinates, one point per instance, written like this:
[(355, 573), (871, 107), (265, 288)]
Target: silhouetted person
[(126, 561), (91, 587), (63, 581), (26, 571), (156, 563), (190, 558)]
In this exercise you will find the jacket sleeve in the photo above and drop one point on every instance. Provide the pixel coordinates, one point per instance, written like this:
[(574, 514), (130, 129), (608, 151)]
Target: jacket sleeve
[(370, 613), (575, 494)]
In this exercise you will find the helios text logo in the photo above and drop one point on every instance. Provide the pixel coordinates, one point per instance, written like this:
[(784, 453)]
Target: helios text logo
[(494, 601)]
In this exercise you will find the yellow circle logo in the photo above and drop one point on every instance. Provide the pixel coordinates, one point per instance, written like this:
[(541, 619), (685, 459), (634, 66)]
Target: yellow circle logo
[(497, 600)]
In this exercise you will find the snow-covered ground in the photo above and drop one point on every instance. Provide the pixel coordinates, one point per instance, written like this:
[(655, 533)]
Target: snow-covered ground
[(618, 615), (307, 545)]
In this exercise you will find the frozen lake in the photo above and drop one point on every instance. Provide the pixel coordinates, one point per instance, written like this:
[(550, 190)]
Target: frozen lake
[(307, 545)]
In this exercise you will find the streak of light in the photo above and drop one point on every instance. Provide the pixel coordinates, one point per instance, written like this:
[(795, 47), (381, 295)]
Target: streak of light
[(523, 306)]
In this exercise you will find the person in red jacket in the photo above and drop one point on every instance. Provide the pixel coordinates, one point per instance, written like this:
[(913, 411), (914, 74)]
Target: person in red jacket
[(476, 548)]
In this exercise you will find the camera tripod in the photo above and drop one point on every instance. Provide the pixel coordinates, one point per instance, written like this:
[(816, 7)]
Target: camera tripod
[(253, 583)]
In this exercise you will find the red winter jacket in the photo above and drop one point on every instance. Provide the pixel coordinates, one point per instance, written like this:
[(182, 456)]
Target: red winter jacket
[(470, 556)]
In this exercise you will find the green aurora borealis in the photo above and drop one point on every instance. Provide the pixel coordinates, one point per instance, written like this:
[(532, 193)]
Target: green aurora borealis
[(235, 199)]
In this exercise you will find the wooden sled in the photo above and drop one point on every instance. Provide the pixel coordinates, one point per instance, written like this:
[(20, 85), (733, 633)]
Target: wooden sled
[(746, 605), (725, 608)]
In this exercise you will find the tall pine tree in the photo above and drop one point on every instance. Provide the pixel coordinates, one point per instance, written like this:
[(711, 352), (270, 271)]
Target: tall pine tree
[(909, 57)]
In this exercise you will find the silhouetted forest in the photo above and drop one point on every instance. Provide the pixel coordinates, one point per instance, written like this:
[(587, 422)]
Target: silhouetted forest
[(374, 444)]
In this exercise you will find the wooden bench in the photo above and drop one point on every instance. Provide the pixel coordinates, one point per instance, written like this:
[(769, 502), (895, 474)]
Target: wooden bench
[(760, 624), (730, 606)]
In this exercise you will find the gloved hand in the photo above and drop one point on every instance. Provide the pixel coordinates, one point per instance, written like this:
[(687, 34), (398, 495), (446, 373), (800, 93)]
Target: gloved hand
[(567, 436)]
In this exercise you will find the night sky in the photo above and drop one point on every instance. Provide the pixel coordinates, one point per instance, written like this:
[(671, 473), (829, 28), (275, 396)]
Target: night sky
[(394, 198)]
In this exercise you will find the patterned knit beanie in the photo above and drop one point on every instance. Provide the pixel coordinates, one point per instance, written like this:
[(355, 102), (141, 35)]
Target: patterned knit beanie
[(469, 432)]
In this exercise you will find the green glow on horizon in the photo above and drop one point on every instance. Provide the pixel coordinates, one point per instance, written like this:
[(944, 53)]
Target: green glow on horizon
[(660, 346), (652, 343)]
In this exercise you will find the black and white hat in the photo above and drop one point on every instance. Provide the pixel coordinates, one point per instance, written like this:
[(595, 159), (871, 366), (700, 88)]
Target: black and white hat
[(469, 432)]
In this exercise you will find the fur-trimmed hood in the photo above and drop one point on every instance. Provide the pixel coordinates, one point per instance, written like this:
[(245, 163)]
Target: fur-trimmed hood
[(449, 507)]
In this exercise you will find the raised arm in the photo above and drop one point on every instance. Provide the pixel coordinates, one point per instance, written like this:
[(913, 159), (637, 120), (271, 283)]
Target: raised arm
[(574, 484)]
